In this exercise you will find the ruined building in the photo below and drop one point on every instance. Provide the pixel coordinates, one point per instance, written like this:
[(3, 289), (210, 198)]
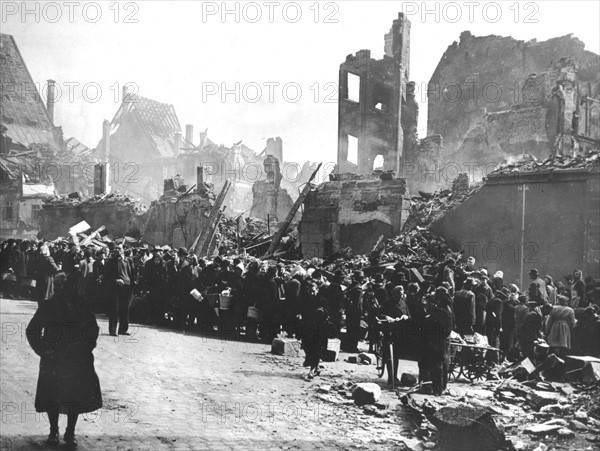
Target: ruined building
[(543, 215), (270, 200), (374, 112), (352, 211), (140, 145), (377, 116), (35, 160), (180, 214), (493, 98)]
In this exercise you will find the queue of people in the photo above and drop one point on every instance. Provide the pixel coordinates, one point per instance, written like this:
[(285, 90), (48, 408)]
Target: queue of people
[(313, 302)]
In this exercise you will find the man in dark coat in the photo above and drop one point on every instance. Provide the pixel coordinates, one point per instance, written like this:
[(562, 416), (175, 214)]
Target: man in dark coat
[(335, 300), (437, 326), (120, 279), (532, 330), (315, 327), (464, 309), (155, 276), (354, 296), (63, 332)]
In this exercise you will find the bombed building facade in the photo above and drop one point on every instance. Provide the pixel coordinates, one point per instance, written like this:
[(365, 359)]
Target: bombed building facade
[(490, 99)]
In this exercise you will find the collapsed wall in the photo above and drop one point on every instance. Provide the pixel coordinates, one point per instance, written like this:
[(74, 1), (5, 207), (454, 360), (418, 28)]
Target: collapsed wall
[(178, 216), (120, 214), (493, 97), (352, 211)]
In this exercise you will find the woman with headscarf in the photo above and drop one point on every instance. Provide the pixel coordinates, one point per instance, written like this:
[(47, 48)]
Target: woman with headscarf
[(551, 289), (46, 270), (63, 332), (578, 290), (558, 328)]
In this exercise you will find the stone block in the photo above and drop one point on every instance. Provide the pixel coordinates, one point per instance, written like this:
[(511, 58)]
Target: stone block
[(366, 393), (286, 346)]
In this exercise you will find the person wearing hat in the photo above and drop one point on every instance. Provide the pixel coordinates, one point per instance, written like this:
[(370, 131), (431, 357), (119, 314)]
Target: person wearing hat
[(396, 314), (493, 322), (354, 309), (448, 275), (435, 356), (509, 321), (537, 288), (335, 300), (532, 330), (464, 309)]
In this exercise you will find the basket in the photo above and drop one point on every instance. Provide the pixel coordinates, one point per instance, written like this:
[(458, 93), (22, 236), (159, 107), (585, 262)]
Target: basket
[(213, 300), (225, 302), (254, 314), (29, 283)]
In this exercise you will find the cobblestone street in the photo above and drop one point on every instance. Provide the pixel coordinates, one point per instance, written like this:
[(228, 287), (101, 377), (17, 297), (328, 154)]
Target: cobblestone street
[(168, 390)]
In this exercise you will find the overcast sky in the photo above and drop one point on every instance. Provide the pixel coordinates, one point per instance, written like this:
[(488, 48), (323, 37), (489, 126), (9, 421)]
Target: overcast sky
[(181, 52)]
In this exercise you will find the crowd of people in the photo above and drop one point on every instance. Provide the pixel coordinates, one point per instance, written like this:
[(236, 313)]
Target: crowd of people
[(303, 300), (313, 303)]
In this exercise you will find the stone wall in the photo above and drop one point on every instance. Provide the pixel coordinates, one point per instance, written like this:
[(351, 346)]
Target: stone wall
[(352, 211), (560, 224), (177, 221), (119, 219)]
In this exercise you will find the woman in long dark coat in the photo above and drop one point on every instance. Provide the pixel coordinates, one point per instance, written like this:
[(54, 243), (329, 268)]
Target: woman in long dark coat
[(46, 270), (315, 327), (63, 332)]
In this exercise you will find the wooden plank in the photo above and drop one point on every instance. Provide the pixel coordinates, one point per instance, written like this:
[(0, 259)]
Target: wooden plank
[(290, 217), (200, 247)]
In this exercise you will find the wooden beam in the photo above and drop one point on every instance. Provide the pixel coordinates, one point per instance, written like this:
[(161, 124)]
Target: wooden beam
[(290, 217)]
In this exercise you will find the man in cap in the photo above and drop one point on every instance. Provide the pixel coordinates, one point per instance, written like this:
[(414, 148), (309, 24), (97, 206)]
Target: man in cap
[(353, 297)]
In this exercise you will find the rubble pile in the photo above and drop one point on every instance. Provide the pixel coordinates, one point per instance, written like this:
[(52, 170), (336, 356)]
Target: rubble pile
[(517, 415), (76, 199), (528, 163), (254, 237), (427, 207)]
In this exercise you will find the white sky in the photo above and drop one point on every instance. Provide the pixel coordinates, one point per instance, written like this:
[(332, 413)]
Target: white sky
[(175, 53)]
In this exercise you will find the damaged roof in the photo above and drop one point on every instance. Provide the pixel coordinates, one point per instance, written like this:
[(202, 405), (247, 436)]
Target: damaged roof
[(530, 164), (13, 166), (23, 112), (158, 120)]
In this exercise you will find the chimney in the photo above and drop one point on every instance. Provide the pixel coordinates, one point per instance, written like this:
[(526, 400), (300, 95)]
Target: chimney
[(199, 179), (51, 99), (105, 141), (189, 134), (176, 143)]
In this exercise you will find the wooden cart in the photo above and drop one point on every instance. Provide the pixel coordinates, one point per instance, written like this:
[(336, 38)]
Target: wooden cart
[(470, 361)]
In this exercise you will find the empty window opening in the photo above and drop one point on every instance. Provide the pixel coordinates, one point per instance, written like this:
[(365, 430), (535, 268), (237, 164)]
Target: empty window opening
[(378, 163), (382, 98), (353, 87), (352, 149)]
